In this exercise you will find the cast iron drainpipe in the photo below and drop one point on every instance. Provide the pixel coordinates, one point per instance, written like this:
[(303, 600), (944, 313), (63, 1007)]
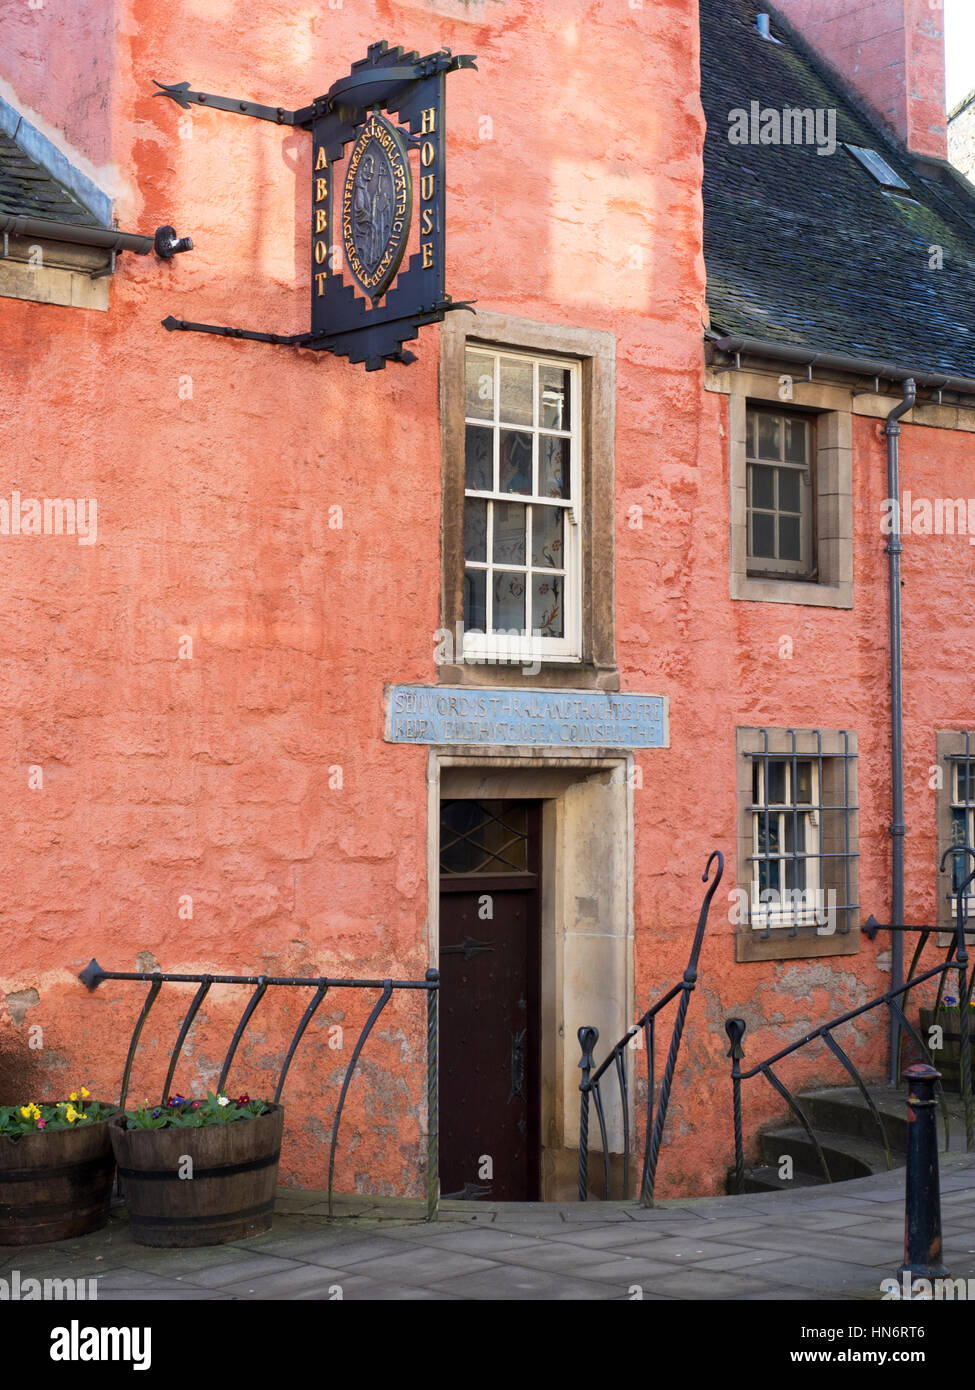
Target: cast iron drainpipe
[(897, 829)]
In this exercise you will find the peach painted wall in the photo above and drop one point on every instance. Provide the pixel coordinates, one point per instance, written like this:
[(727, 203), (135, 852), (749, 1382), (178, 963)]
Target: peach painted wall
[(60, 62), (253, 776)]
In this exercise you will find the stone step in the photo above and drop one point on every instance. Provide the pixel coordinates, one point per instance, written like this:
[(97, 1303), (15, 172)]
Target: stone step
[(847, 1155), (766, 1179), (843, 1110), (849, 1135)]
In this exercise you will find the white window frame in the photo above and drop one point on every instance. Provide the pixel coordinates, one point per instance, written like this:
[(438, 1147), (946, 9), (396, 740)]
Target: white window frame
[(524, 648), (765, 915), (761, 566)]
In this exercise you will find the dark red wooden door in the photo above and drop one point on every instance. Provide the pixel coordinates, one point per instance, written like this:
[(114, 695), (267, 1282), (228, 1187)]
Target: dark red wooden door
[(489, 1002)]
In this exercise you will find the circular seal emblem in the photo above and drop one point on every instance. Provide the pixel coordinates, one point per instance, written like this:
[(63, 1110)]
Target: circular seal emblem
[(377, 206)]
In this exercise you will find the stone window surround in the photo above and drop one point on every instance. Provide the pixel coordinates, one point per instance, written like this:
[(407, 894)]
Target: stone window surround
[(586, 920), (751, 944), (55, 272), (833, 487), (596, 351)]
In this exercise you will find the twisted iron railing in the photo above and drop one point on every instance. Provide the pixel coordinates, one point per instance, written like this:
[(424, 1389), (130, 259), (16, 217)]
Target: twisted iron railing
[(93, 975), (656, 1113), (893, 1000)]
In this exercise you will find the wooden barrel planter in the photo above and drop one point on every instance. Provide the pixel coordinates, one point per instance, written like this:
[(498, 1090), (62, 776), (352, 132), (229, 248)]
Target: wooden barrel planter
[(230, 1194), (55, 1185)]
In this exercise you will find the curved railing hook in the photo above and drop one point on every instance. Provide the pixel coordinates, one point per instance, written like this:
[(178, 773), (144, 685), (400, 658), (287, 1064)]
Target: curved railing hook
[(960, 893)]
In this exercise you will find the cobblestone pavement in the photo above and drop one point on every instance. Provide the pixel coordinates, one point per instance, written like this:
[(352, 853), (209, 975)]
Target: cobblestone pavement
[(826, 1243)]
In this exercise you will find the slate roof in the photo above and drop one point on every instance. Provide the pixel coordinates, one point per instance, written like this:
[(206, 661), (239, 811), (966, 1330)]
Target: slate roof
[(807, 249), (28, 190)]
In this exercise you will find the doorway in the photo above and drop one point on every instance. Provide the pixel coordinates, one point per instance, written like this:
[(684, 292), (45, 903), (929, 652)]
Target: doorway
[(490, 993)]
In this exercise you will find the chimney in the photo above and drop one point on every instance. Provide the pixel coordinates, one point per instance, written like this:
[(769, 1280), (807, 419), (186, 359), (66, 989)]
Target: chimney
[(892, 53)]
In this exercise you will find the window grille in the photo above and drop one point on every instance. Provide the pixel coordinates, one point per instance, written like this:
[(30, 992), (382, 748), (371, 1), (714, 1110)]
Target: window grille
[(803, 860), (961, 768)]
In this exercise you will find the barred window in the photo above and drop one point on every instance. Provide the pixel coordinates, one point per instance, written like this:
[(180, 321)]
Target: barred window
[(798, 853), (961, 790)]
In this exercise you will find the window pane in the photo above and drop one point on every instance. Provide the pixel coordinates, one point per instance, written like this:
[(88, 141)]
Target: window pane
[(483, 837), (763, 486), (804, 789), (790, 541), (769, 437), (478, 458), (768, 874), (475, 529), (547, 537), (555, 406), (516, 462), (795, 843), (795, 877), (480, 386), (776, 784), (789, 490), (509, 602), (763, 536), (553, 466), (795, 440), (509, 533), (475, 600), (516, 392), (768, 836), (960, 863), (548, 616)]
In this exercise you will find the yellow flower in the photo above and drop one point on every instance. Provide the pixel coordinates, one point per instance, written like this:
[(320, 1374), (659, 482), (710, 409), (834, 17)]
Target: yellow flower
[(25, 1111), (30, 1112), (85, 1093), (71, 1115), (73, 1095)]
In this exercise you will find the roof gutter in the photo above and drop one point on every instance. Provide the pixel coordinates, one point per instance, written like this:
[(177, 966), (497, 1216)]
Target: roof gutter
[(839, 362), (108, 238)]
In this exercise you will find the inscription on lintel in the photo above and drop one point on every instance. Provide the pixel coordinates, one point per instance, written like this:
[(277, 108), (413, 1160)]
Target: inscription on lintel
[(530, 718)]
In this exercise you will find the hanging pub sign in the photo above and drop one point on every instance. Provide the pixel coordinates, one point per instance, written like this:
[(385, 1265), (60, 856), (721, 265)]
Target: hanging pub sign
[(370, 292)]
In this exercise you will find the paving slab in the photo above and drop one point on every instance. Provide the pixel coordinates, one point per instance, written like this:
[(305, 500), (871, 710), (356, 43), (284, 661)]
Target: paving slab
[(483, 1242), (566, 1258), (821, 1243), (823, 1277), (708, 1284), (237, 1266), (515, 1282), (285, 1283)]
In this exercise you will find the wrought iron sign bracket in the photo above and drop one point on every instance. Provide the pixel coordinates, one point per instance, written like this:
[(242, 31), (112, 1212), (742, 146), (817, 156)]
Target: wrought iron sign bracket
[(365, 304)]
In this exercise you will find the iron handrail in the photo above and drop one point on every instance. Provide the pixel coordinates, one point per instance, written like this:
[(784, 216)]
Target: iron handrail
[(656, 1109), (956, 960), (93, 975)]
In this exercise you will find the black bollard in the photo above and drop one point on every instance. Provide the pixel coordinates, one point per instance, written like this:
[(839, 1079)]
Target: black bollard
[(922, 1203)]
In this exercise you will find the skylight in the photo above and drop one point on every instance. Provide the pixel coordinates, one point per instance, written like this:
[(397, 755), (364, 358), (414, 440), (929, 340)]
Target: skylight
[(878, 168)]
